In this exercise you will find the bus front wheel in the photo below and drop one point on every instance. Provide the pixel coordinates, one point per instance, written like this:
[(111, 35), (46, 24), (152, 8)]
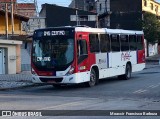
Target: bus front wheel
[(93, 79)]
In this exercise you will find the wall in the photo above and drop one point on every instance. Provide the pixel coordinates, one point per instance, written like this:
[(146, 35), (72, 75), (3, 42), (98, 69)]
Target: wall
[(33, 24), (153, 49)]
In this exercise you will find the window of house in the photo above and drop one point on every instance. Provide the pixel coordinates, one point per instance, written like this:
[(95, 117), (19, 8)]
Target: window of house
[(151, 6), (145, 3), (104, 43), (94, 43), (156, 8), (124, 42), (100, 7), (115, 44)]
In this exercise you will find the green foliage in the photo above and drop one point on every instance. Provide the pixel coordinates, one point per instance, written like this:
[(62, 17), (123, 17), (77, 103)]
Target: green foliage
[(151, 27)]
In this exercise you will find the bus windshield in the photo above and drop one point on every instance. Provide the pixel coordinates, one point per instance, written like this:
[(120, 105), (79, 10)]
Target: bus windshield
[(53, 52)]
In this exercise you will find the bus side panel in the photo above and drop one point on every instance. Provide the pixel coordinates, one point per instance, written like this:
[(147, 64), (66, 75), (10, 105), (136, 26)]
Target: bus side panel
[(116, 64), (140, 56), (91, 59), (102, 60)]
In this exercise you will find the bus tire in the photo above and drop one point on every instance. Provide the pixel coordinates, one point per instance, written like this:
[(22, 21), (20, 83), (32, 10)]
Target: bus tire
[(93, 79), (127, 74)]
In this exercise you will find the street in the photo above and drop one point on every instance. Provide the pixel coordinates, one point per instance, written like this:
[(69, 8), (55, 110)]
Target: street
[(141, 92)]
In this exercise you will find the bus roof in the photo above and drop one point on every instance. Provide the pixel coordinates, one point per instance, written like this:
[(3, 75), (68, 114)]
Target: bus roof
[(106, 30), (97, 30)]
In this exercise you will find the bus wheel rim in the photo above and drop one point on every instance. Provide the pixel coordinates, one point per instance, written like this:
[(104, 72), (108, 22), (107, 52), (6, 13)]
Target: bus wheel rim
[(93, 78)]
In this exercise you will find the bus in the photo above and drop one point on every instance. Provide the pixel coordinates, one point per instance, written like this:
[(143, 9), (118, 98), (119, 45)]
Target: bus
[(76, 54)]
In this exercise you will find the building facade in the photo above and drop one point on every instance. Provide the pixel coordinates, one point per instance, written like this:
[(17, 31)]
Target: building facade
[(125, 14), (10, 50), (151, 6), (86, 5), (70, 16)]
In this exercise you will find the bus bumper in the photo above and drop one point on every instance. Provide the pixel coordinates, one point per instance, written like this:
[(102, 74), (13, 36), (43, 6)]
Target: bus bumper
[(69, 79)]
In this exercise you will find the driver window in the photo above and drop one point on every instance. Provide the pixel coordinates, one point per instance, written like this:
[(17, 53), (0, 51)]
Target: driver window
[(82, 48)]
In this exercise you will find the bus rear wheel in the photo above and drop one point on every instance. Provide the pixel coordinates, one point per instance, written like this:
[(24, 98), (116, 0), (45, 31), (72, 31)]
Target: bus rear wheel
[(127, 74), (93, 79)]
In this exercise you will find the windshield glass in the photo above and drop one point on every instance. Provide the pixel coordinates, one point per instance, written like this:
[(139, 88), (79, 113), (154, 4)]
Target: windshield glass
[(53, 52)]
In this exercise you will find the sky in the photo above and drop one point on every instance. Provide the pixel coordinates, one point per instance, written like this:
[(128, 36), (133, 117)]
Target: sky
[(58, 2)]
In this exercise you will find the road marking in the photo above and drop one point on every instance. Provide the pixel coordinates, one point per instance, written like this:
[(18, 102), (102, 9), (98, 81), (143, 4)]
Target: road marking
[(143, 90), (153, 86), (66, 105), (140, 91)]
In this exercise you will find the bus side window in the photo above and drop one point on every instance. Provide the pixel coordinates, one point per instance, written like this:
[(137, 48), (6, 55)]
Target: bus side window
[(115, 44), (94, 43), (132, 42), (104, 43), (139, 42), (124, 42)]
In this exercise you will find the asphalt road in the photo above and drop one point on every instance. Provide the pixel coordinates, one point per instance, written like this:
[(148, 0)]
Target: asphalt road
[(142, 92)]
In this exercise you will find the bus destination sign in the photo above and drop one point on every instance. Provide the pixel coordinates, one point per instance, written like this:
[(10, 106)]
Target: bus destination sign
[(54, 33)]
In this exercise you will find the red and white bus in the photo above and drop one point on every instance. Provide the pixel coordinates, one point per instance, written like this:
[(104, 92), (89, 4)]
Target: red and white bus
[(71, 55)]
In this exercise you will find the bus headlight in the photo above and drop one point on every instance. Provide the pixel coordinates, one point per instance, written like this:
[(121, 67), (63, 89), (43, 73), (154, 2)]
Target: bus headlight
[(71, 70), (33, 72)]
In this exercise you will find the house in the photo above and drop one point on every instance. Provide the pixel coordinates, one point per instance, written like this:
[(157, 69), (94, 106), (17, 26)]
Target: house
[(17, 23), (10, 50), (23, 9), (64, 16)]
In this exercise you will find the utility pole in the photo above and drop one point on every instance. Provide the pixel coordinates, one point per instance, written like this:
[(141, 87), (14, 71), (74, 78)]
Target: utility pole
[(77, 17), (12, 17), (6, 17)]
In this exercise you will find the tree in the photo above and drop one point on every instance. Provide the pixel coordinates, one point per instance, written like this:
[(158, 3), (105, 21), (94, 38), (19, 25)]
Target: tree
[(151, 28)]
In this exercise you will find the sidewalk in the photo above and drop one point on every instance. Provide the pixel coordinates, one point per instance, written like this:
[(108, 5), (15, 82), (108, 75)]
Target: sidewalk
[(14, 81)]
